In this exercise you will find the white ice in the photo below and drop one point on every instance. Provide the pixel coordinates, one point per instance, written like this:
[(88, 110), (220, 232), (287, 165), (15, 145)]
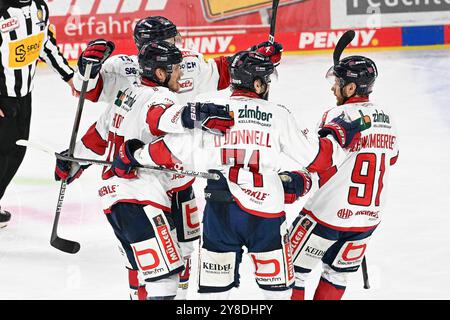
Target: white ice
[(408, 255)]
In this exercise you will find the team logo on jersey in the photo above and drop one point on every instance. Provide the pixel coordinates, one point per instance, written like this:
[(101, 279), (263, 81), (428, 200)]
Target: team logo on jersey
[(159, 221), (125, 100), (186, 85), (345, 213), (9, 24), (40, 17)]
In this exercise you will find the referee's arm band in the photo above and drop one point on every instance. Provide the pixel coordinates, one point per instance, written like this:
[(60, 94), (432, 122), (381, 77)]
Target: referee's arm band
[(68, 76)]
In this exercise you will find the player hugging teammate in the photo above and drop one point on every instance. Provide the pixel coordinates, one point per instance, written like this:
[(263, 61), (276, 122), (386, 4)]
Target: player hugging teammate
[(154, 215)]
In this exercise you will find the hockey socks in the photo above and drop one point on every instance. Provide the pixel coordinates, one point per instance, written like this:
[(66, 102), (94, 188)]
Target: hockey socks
[(298, 294), (328, 291), (137, 291), (183, 285)]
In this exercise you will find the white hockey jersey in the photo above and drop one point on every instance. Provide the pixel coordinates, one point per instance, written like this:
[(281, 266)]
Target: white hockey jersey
[(134, 112), (199, 76), (353, 191), (249, 154)]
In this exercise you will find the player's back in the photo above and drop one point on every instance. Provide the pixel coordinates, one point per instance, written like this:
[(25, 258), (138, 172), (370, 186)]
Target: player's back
[(352, 195), (249, 154), (126, 119)]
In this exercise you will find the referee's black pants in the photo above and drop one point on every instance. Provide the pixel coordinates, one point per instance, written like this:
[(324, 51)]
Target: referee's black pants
[(14, 126)]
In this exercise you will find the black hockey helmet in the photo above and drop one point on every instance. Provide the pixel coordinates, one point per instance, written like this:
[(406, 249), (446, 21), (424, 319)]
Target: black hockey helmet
[(158, 54), (248, 66), (153, 28), (360, 70), (15, 3)]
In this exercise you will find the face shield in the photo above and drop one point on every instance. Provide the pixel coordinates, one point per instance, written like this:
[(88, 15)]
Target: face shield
[(331, 76), (274, 77)]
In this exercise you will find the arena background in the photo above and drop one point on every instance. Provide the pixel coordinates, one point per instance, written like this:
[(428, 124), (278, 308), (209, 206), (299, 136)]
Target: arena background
[(224, 27)]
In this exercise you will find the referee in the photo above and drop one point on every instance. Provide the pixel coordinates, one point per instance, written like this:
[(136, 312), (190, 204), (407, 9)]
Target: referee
[(25, 37)]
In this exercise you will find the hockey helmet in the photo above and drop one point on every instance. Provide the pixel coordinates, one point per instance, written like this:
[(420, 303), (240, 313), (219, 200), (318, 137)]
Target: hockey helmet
[(248, 66), (360, 70), (16, 3), (158, 54), (153, 28)]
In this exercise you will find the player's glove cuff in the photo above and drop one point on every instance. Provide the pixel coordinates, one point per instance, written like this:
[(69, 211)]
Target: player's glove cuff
[(296, 184), (96, 53), (124, 164), (68, 170), (345, 133)]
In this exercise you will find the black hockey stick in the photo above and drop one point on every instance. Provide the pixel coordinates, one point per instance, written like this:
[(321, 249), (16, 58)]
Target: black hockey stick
[(273, 26), (365, 273), (65, 245), (190, 173), (343, 42), (273, 21)]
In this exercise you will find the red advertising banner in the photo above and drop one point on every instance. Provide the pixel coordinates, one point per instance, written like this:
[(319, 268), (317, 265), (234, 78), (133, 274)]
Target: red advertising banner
[(210, 26), (447, 35)]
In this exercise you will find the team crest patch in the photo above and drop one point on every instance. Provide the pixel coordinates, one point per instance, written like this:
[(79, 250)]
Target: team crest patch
[(40, 15), (9, 24)]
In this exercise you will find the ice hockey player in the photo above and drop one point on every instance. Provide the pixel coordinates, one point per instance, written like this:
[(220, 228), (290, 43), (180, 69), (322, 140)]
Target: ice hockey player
[(246, 206), (338, 220), (136, 203), (199, 76)]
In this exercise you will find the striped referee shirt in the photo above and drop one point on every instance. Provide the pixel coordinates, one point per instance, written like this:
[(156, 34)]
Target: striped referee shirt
[(25, 37)]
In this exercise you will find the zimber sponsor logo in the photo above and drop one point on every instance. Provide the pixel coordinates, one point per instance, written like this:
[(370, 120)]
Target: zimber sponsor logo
[(358, 7), (254, 114), (380, 117)]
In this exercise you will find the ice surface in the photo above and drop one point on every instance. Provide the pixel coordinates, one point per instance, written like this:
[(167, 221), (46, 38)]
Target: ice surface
[(408, 255)]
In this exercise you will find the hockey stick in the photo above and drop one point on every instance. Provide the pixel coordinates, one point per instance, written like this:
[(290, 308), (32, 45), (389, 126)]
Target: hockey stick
[(273, 25), (273, 21), (57, 242), (189, 173), (343, 42), (365, 273)]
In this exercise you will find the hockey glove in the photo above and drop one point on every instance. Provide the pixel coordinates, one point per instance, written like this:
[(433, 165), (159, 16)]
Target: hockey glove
[(124, 164), (296, 184), (272, 50), (213, 118), (97, 52), (346, 133), (68, 170)]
